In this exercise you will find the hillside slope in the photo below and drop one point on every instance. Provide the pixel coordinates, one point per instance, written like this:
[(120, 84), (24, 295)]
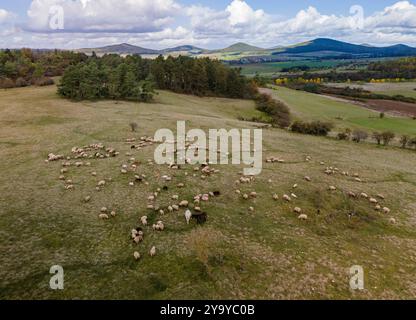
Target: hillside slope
[(267, 253)]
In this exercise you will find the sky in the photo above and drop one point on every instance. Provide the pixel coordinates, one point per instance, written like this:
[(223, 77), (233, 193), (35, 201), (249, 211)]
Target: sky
[(156, 24)]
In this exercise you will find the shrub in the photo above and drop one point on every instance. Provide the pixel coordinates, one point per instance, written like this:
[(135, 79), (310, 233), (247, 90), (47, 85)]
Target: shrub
[(20, 82), (387, 137), (44, 81), (278, 111), (359, 135), (133, 126), (404, 140), (343, 136), (377, 137), (316, 128), (382, 115), (412, 143), (6, 83)]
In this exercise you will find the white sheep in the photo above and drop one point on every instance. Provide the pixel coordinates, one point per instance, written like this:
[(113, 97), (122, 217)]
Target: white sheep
[(287, 198), (386, 210), (297, 210), (184, 203), (143, 220), (152, 251), (136, 255), (104, 216), (303, 217), (188, 216)]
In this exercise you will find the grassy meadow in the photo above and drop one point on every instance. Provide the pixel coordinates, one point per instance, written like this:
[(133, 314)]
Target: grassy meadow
[(267, 253), (407, 89), (343, 114)]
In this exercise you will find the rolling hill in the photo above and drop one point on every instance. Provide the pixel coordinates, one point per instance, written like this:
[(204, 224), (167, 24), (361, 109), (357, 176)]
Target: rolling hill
[(329, 46), (245, 53)]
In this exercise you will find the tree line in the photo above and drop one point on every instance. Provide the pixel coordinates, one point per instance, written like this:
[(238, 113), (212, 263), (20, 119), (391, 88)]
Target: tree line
[(24, 67)]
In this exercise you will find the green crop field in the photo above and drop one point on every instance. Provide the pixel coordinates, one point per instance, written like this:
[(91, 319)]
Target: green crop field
[(308, 106), (407, 89), (267, 253)]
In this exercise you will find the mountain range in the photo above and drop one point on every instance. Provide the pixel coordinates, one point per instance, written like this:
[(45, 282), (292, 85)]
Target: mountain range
[(245, 53)]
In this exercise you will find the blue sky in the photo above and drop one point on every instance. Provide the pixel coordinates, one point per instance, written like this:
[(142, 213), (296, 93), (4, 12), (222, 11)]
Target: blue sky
[(210, 24)]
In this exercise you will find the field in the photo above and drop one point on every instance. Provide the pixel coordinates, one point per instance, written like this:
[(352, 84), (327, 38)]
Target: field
[(406, 89), (267, 253), (342, 113), (274, 68)]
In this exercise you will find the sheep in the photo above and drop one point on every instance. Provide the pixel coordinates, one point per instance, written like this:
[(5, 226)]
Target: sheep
[(253, 194), (175, 197), (134, 233), (386, 210), (205, 197), (188, 216), (392, 221), (332, 188), (136, 255), (152, 251), (184, 203), (380, 196), (287, 198), (374, 201), (307, 178), (295, 186), (151, 198), (200, 217), (139, 238), (175, 207), (245, 196), (94, 174), (113, 213), (101, 183), (87, 199), (103, 216), (69, 187), (275, 197), (104, 210), (143, 220), (161, 212), (303, 217), (358, 180), (294, 196), (62, 177), (352, 194), (251, 209), (364, 195), (377, 208), (297, 210), (159, 226)]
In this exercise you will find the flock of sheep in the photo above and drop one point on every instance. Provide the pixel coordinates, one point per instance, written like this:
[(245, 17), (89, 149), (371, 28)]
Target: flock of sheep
[(83, 156)]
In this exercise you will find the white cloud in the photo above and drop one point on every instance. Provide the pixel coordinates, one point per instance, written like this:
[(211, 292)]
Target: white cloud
[(161, 23), (103, 15)]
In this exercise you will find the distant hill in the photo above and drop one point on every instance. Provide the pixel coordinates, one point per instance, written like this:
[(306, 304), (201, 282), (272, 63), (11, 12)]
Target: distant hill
[(123, 48), (244, 53), (240, 47), (186, 48), (329, 46)]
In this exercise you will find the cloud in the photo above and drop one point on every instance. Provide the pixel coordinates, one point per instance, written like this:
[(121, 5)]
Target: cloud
[(102, 15), (160, 23)]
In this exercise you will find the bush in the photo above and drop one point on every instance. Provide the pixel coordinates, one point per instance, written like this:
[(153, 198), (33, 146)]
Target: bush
[(377, 137), (387, 137), (359, 135), (6, 83), (20, 82), (278, 111), (404, 140), (316, 128), (343, 136), (133, 126), (412, 143), (44, 81)]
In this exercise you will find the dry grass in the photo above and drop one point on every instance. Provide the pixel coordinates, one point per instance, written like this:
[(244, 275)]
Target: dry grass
[(263, 254)]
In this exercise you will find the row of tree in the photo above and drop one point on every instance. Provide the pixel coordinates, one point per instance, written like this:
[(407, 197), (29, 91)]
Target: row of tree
[(133, 78), (19, 68)]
